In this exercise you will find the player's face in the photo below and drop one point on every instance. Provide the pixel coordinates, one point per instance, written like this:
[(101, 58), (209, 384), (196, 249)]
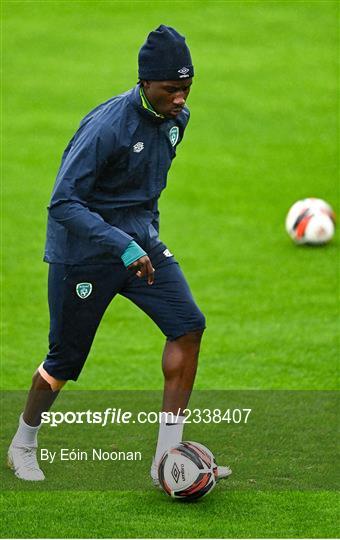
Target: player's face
[(167, 97)]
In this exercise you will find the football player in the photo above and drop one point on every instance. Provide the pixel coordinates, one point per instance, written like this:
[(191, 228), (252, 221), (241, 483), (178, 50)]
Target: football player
[(103, 240)]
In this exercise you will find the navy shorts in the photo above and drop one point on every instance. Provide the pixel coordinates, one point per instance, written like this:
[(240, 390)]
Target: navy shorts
[(79, 295)]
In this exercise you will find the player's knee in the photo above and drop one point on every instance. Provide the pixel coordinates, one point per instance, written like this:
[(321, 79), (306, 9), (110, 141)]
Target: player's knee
[(201, 323), (54, 383), (198, 326), (193, 337), (194, 331)]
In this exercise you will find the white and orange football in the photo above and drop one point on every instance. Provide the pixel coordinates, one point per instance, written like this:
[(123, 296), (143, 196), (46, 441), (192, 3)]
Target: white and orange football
[(310, 221)]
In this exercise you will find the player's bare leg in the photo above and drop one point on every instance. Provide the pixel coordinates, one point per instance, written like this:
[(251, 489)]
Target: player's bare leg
[(22, 451), (180, 359), (40, 399)]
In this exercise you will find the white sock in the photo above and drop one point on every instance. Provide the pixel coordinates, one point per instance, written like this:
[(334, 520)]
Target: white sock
[(169, 435), (26, 435)]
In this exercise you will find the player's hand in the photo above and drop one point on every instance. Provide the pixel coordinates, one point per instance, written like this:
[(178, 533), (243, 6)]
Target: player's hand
[(142, 267)]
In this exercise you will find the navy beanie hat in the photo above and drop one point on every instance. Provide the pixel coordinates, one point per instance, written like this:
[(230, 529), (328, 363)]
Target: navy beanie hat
[(165, 56)]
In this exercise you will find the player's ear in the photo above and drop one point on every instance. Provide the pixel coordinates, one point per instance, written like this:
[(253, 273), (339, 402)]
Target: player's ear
[(145, 84)]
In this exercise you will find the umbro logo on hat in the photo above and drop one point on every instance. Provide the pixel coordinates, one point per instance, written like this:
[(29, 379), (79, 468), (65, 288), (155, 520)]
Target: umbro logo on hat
[(183, 72)]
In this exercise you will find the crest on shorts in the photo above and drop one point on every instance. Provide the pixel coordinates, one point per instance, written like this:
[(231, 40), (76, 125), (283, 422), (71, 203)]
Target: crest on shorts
[(173, 135), (83, 290)]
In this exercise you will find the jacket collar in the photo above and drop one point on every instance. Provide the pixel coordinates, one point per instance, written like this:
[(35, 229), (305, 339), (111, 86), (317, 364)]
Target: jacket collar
[(146, 103), (142, 109)]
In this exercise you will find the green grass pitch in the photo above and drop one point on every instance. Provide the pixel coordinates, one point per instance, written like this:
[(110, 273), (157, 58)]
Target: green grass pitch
[(263, 134)]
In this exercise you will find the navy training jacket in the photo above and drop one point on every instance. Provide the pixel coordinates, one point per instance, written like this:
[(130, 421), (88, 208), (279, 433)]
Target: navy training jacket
[(110, 178)]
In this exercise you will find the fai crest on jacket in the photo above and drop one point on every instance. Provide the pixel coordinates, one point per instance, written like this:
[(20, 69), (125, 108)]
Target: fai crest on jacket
[(84, 290), (173, 135)]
